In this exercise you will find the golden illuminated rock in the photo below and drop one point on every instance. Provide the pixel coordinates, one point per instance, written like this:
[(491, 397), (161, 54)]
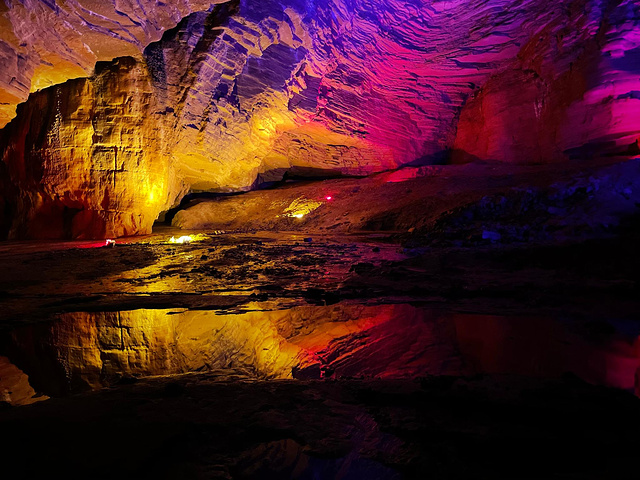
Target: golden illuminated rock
[(88, 159), (14, 385)]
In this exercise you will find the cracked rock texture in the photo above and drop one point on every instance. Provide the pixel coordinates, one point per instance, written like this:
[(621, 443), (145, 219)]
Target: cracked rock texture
[(242, 92)]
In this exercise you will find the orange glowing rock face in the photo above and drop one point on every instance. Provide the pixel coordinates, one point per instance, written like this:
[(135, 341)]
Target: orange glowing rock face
[(95, 174), (240, 93)]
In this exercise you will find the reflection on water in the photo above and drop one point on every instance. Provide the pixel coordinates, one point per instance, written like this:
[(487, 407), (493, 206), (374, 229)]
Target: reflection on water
[(80, 351)]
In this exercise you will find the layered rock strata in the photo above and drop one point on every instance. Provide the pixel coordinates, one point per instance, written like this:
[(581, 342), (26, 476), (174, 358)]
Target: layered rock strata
[(571, 92), (44, 43), (244, 92)]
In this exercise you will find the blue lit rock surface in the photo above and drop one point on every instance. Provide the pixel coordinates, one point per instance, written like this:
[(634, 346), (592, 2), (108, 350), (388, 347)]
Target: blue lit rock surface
[(242, 92)]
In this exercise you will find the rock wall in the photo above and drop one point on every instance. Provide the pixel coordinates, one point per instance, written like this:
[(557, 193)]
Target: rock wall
[(571, 92), (87, 159), (44, 43), (242, 92)]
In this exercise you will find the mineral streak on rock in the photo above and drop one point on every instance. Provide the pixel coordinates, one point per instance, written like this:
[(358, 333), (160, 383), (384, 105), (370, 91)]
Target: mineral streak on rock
[(241, 92)]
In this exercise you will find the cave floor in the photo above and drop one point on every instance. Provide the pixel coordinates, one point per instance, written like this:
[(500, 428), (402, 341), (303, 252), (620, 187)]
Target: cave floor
[(322, 353), (234, 271), (383, 341)]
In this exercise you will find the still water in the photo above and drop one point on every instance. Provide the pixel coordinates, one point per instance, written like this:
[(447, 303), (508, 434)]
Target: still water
[(82, 351)]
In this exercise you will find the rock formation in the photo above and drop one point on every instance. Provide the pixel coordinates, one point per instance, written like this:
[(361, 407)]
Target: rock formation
[(87, 157), (571, 92), (44, 43), (242, 92)]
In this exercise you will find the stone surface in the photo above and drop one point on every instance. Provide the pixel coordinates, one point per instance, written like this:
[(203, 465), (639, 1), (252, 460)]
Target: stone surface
[(571, 92), (87, 158), (14, 386), (44, 43), (241, 93), (452, 205)]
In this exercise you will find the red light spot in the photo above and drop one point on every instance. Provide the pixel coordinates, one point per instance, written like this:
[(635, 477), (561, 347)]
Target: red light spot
[(329, 197)]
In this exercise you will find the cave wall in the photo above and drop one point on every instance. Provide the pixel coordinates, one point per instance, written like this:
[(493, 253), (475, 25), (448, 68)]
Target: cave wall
[(81, 171), (242, 91), (570, 93), (44, 43)]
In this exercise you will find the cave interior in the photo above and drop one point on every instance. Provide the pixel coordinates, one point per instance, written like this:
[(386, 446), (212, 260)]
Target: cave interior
[(320, 239)]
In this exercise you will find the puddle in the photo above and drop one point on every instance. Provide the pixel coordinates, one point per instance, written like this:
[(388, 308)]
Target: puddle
[(83, 351)]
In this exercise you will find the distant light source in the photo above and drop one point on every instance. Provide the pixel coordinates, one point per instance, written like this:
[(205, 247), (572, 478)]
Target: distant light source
[(300, 207), (183, 239), (329, 197), (110, 243)]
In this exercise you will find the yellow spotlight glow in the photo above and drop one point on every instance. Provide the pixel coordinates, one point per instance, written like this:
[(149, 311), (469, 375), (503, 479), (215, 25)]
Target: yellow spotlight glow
[(300, 207), (183, 239), (188, 238)]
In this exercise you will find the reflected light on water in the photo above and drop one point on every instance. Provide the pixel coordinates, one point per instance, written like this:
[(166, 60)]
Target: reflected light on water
[(81, 350)]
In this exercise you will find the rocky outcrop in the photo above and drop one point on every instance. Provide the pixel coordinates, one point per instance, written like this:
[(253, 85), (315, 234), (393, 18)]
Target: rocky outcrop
[(87, 158), (14, 386), (453, 205), (241, 93), (47, 43)]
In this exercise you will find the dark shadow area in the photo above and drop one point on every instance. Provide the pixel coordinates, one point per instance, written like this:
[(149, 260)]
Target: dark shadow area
[(201, 426)]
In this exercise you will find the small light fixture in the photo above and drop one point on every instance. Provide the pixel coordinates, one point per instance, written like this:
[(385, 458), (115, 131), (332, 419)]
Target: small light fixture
[(183, 239)]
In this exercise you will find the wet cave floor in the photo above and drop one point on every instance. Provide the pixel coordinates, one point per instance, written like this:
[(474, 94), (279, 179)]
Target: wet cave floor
[(480, 328), (275, 355)]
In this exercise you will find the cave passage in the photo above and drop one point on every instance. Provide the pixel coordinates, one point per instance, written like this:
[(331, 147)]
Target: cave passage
[(320, 240)]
